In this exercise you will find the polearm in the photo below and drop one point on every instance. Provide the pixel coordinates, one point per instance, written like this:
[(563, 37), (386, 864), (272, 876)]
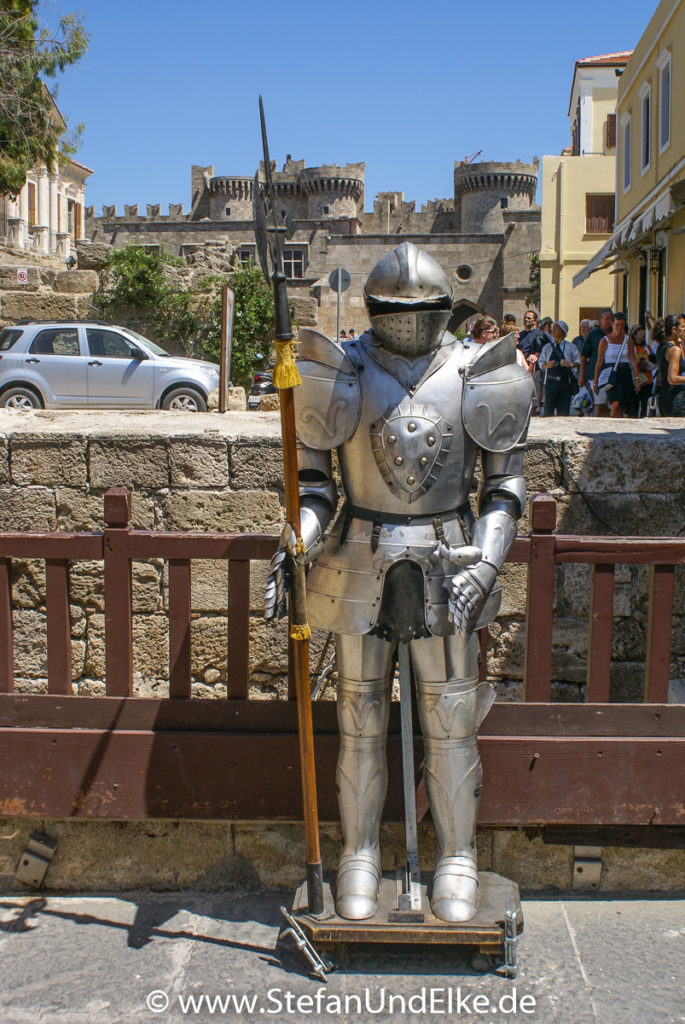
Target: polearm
[(286, 377)]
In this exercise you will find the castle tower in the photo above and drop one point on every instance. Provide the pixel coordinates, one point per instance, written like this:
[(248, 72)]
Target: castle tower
[(484, 191), (333, 191), (230, 198)]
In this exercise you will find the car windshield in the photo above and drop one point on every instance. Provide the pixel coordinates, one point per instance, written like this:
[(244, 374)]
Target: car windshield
[(150, 344)]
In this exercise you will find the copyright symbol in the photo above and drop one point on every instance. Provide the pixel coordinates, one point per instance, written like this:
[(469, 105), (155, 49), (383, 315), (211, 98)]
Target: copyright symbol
[(157, 1001)]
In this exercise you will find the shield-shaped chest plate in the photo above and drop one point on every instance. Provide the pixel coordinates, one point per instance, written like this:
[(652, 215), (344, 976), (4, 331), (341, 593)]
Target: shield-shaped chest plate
[(410, 444)]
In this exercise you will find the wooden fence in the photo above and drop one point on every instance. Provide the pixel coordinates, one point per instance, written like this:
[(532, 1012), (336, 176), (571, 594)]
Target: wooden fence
[(118, 756)]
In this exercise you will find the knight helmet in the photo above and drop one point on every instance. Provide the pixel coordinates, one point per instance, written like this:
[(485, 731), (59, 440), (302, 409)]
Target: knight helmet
[(409, 300)]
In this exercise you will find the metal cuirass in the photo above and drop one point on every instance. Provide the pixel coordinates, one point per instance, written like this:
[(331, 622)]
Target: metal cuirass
[(406, 464)]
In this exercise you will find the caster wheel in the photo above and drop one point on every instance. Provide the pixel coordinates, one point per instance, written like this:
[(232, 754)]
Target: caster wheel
[(480, 963)]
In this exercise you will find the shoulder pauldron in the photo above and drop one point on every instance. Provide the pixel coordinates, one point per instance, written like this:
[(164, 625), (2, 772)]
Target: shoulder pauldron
[(328, 403), (498, 394)]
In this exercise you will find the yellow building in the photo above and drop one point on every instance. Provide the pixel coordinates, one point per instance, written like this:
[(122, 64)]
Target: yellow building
[(578, 195), (647, 246)]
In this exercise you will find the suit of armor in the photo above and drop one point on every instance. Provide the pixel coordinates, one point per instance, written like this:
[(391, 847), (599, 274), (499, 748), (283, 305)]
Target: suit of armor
[(409, 410)]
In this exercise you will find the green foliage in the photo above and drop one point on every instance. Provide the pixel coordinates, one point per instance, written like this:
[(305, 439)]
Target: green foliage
[(533, 297), (30, 125), (253, 322), (143, 282)]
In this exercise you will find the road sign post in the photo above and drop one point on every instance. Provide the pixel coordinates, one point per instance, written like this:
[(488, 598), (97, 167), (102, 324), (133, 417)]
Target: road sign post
[(339, 280)]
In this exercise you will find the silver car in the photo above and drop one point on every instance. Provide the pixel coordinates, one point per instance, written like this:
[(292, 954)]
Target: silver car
[(71, 364)]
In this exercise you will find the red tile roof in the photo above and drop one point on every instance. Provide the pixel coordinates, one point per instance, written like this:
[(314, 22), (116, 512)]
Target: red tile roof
[(607, 58)]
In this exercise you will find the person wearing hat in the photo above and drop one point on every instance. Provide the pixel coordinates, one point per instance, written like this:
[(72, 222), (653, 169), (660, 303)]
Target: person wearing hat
[(559, 362)]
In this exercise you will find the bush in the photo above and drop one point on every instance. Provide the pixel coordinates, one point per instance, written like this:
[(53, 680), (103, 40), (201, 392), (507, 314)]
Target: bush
[(140, 281)]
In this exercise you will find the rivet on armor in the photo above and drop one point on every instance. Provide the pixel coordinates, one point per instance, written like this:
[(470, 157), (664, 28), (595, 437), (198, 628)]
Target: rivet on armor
[(391, 438), (423, 461), (411, 427), (430, 440), (398, 460), (411, 480)]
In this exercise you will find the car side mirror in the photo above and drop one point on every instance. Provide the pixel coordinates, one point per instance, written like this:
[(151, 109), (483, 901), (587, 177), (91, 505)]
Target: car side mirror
[(137, 353)]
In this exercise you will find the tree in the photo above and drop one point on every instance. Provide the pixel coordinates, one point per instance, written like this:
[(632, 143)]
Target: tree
[(30, 124), (149, 285)]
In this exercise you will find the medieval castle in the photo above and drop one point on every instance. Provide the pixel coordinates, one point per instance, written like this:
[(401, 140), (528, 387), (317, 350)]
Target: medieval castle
[(483, 236)]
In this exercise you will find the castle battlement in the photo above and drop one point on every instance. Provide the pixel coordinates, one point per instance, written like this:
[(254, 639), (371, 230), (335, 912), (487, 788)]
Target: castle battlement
[(131, 213)]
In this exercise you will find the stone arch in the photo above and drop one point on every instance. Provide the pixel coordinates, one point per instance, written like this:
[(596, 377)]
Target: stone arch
[(463, 310)]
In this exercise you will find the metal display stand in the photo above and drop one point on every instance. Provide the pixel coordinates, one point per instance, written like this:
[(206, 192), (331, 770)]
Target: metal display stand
[(491, 935)]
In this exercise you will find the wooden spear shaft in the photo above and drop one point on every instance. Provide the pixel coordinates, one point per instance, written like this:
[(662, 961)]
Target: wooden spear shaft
[(299, 638)]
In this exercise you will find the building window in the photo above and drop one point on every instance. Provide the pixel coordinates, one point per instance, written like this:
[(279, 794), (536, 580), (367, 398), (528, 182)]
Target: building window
[(664, 66), (504, 202), (227, 211), (611, 131), (464, 272), (293, 263), (645, 95), (599, 214), (626, 125), (32, 205), (326, 209), (246, 257)]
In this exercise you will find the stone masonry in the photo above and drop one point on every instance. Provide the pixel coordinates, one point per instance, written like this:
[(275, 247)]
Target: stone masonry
[(210, 472)]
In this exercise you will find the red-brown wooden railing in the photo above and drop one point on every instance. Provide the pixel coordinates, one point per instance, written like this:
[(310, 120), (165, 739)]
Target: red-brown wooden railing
[(120, 756)]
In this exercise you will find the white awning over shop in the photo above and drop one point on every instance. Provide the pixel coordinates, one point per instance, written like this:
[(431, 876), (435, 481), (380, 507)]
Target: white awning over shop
[(596, 263)]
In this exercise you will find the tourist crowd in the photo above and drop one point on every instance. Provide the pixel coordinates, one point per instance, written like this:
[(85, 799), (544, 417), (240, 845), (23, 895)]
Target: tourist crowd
[(609, 369)]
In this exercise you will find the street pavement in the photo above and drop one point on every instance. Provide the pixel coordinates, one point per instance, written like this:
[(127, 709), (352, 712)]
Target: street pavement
[(171, 957)]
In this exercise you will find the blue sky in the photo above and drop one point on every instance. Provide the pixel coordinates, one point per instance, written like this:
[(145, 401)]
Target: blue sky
[(407, 88)]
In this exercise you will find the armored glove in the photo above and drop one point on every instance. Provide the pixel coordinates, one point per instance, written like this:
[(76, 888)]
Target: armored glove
[(468, 593), (276, 589)]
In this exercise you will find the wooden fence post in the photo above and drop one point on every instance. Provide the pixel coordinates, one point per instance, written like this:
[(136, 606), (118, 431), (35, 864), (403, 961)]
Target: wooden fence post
[(600, 634), (59, 628), (6, 637), (118, 606), (540, 604)]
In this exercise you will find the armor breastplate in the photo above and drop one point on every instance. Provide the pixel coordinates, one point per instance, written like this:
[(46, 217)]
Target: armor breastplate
[(409, 452)]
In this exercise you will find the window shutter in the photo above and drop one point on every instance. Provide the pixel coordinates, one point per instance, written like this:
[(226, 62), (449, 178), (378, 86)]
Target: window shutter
[(599, 214), (611, 131)]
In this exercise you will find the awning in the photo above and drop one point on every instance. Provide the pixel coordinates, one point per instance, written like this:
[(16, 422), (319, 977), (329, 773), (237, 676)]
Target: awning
[(650, 218), (596, 263)]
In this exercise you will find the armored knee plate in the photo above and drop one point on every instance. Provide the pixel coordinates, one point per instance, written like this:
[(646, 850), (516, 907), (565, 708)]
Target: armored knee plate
[(361, 779), (450, 715)]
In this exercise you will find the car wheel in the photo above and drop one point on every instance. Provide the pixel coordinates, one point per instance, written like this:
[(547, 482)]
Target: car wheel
[(185, 400), (20, 398)]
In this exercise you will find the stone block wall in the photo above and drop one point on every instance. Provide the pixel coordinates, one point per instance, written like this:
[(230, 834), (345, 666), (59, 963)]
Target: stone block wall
[(209, 472)]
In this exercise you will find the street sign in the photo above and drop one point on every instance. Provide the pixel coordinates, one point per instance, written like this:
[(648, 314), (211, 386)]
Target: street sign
[(22, 275), (344, 281)]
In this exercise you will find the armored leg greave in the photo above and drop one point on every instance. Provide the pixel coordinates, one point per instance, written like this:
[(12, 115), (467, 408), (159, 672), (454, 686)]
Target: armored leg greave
[(364, 668), (450, 712)]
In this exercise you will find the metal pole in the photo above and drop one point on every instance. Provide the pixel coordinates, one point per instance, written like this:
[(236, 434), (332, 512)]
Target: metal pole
[(337, 337), (413, 874)]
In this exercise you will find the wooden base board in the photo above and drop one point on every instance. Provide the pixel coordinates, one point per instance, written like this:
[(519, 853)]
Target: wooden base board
[(485, 931)]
